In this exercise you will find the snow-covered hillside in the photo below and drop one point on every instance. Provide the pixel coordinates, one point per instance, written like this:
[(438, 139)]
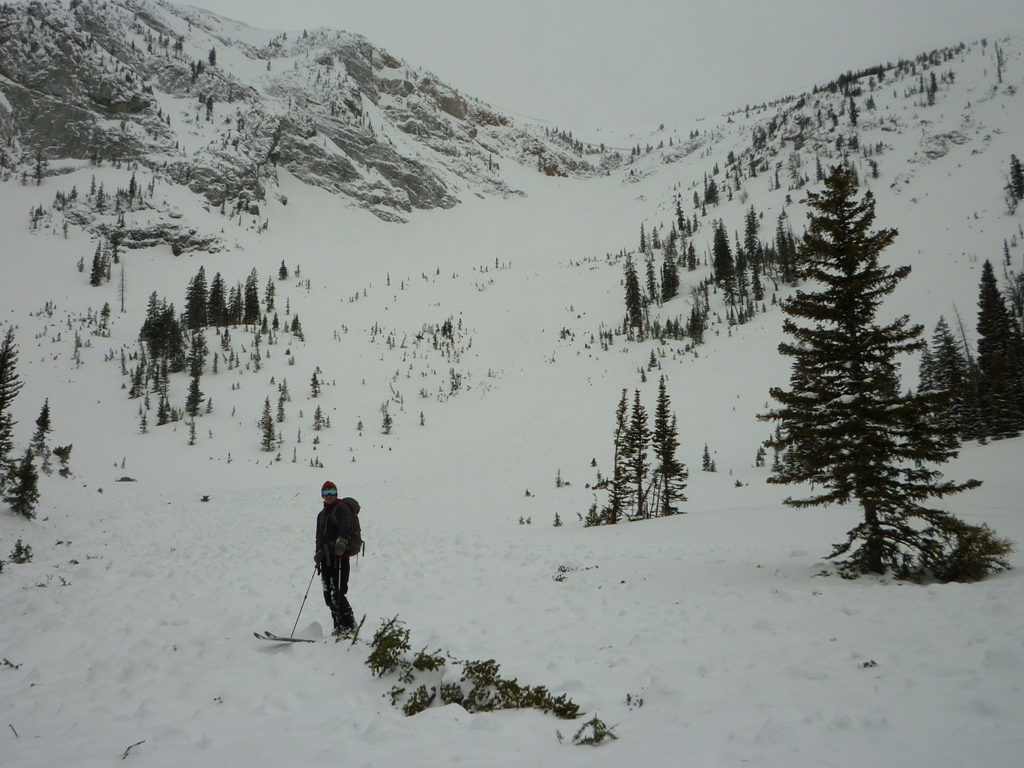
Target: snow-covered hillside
[(716, 637), (218, 106)]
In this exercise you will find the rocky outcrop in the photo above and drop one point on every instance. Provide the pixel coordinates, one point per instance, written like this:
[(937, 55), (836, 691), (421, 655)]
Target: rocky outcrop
[(113, 81)]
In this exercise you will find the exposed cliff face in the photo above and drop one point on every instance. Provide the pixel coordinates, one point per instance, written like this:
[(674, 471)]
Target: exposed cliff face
[(220, 107)]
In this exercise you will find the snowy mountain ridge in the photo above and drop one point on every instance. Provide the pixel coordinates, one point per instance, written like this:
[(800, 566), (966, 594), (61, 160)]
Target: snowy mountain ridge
[(220, 107)]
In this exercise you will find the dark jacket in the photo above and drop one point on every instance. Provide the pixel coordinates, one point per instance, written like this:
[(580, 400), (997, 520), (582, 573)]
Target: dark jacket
[(340, 520)]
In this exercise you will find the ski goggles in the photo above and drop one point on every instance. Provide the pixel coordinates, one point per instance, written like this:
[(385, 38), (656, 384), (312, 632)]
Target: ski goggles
[(329, 492)]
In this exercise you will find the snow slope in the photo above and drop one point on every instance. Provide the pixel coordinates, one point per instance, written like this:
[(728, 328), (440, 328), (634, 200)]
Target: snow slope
[(133, 623)]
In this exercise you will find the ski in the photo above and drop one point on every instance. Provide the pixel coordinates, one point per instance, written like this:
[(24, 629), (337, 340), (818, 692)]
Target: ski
[(278, 639)]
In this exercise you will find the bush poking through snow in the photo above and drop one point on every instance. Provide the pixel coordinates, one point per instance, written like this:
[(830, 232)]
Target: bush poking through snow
[(593, 732), (480, 688), (389, 644), (22, 553)]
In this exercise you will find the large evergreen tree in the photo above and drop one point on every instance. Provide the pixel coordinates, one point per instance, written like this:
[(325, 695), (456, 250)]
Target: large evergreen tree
[(23, 487), (637, 442), (162, 334), (669, 475), (38, 444), (1000, 367), (235, 307), (945, 368), (267, 428), (251, 300), (845, 426), (653, 291), (99, 267), (194, 400), (1016, 178), (670, 271), (9, 387), (217, 303), (725, 266), (197, 302), (618, 491), (634, 297)]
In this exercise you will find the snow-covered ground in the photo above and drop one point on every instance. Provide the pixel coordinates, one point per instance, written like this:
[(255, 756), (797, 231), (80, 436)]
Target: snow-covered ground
[(713, 638)]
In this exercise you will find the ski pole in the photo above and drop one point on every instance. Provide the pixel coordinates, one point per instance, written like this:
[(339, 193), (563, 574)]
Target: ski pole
[(303, 601)]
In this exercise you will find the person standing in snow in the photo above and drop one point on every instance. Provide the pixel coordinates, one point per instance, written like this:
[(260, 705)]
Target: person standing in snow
[(338, 537)]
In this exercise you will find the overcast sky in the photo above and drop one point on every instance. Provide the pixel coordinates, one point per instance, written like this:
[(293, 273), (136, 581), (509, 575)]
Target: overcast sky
[(589, 64)]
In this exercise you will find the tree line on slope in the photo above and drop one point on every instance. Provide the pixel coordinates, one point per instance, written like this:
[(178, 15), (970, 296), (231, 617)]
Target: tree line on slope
[(739, 271), (19, 479), (844, 427), (636, 491), (986, 388)]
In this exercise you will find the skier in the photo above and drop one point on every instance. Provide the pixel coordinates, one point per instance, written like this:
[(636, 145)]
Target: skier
[(338, 537)]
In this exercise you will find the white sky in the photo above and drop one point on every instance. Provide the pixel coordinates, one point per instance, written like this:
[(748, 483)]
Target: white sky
[(588, 64)]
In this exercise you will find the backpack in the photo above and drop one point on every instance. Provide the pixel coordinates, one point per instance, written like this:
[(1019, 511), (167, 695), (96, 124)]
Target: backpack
[(349, 519)]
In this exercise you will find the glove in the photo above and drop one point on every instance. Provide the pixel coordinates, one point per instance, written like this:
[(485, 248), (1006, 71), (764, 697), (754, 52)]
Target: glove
[(318, 556), (340, 546)]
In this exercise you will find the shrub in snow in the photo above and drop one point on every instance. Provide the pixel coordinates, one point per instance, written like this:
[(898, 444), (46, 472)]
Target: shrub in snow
[(22, 553), (476, 686), (593, 732)]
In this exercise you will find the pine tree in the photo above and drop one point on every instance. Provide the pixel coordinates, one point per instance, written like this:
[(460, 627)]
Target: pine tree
[(845, 426), (670, 475), (1016, 179), (696, 324), (43, 428), (99, 267), (196, 302), (945, 368), (9, 388), (267, 428), (163, 411), (194, 401), (653, 293), (315, 385), (618, 491), (637, 441), (162, 334), (750, 228), (725, 266), (197, 354), (710, 192), (634, 298), (235, 306), (269, 293), (786, 248), (670, 272), (251, 300), (23, 487), (1000, 367)]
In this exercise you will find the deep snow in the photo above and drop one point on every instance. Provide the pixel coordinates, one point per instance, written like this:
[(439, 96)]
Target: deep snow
[(134, 621)]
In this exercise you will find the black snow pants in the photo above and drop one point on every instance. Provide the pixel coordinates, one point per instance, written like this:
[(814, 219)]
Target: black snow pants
[(335, 579)]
